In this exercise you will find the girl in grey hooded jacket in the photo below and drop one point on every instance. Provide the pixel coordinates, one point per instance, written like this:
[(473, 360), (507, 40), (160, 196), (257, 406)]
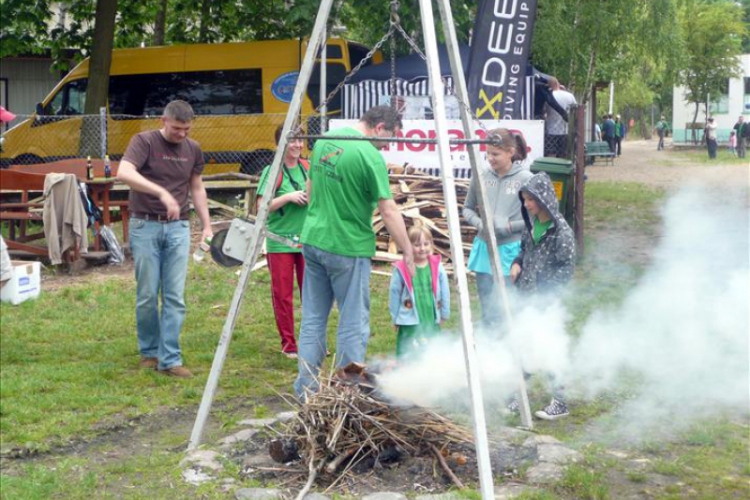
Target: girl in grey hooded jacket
[(502, 181)]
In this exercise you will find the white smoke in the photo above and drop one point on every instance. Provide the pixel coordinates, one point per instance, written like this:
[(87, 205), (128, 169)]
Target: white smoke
[(677, 345)]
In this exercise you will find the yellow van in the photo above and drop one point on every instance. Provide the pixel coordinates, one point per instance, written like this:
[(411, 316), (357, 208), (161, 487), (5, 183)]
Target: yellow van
[(240, 93)]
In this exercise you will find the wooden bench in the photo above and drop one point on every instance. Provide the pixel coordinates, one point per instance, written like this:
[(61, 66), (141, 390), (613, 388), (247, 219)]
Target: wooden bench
[(20, 214), (599, 149)]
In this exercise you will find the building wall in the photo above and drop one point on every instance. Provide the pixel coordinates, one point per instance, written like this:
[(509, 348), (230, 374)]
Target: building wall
[(737, 103), (26, 82)]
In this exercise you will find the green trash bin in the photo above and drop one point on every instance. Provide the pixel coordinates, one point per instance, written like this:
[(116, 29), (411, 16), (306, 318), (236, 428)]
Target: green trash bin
[(561, 173)]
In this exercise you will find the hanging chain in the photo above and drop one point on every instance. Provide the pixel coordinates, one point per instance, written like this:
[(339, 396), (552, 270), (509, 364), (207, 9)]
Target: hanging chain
[(411, 42), (395, 26), (355, 69)]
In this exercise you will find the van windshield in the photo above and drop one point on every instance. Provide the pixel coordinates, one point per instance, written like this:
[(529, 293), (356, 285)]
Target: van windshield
[(70, 100), (224, 92)]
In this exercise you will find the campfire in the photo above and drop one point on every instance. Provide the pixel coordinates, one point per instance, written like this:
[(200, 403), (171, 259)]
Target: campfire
[(348, 429)]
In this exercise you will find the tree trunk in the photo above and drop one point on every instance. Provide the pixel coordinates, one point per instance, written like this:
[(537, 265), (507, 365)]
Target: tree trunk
[(98, 83), (160, 24), (205, 21), (692, 127)]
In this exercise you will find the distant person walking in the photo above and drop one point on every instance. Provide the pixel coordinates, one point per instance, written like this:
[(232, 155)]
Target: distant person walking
[(162, 167), (608, 131), (620, 131), (710, 134), (742, 128), (662, 127)]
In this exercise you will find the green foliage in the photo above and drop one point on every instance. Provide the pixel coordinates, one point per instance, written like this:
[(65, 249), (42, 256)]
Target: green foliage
[(714, 32), (583, 42)]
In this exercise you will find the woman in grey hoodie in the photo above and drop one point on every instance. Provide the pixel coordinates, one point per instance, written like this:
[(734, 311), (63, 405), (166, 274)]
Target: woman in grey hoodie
[(502, 181)]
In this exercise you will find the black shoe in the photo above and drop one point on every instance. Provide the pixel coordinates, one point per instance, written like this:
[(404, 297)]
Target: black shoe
[(556, 409)]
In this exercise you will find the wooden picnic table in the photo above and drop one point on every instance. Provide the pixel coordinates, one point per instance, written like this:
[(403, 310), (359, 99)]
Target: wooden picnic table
[(99, 187)]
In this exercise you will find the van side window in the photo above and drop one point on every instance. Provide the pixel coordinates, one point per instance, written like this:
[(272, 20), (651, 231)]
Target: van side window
[(70, 100), (223, 92)]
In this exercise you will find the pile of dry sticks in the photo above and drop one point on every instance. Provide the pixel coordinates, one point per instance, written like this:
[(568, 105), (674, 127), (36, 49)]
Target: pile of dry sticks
[(347, 423), (420, 199)]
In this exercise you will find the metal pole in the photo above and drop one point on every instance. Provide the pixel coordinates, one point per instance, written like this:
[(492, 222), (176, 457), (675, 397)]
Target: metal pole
[(457, 252), (324, 83), (257, 238), (103, 130), (611, 96), (466, 120)]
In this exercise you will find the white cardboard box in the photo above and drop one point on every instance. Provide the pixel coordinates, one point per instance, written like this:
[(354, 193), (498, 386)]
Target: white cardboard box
[(25, 282)]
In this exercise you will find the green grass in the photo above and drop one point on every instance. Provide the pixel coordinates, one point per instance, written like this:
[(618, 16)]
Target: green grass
[(699, 156), (68, 374)]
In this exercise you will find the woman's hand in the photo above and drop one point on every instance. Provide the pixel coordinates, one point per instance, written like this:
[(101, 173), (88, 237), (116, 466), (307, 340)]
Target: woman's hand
[(297, 197)]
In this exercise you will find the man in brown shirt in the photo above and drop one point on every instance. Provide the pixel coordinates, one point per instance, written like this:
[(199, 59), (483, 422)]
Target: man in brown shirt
[(162, 167)]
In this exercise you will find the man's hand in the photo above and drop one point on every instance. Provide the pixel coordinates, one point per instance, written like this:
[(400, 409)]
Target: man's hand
[(173, 208), (409, 261), (515, 271)]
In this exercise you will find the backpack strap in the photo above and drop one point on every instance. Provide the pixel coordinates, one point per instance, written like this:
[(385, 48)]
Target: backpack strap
[(305, 166)]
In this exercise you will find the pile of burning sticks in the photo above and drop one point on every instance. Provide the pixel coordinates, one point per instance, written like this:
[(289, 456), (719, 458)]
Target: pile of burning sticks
[(348, 424), (420, 199)]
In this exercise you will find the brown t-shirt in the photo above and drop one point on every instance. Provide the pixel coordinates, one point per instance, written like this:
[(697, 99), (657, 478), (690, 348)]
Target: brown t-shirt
[(167, 164)]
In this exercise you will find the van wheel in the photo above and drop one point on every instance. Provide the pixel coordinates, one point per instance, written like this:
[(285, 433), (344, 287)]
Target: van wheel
[(27, 159), (253, 162)]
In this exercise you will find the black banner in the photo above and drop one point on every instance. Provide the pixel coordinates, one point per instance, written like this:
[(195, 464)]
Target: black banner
[(499, 53)]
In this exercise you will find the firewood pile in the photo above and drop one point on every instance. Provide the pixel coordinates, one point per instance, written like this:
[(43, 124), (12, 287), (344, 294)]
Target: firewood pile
[(347, 427), (420, 199)]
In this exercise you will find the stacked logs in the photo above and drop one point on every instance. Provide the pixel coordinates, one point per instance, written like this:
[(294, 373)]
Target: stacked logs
[(420, 199)]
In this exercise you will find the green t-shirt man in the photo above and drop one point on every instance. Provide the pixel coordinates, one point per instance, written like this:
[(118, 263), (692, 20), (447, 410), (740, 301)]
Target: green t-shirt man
[(347, 179), (288, 220)]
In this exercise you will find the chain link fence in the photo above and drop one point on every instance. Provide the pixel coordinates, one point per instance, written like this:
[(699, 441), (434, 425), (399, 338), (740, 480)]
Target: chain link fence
[(230, 143)]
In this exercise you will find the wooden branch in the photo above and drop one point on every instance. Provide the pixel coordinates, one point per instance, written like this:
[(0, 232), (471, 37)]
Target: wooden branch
[(445, 467)]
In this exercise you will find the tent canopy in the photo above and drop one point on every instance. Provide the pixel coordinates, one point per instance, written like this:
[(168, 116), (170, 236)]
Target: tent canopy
[(410, 67)]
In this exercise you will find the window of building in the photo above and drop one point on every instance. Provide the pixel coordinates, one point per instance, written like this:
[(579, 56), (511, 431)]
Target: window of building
[(720, 104), (746, 97)]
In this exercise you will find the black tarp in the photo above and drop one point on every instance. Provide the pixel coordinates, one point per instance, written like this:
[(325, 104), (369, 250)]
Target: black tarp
[(410, 67)]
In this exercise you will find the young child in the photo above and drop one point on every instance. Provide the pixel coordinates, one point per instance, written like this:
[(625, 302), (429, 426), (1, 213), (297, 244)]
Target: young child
[(547, 258), (419, 303), (506, 175), (733, 142)]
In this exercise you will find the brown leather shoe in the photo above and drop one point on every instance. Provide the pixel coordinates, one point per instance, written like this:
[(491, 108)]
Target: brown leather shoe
[(149, 363), (177, 371)]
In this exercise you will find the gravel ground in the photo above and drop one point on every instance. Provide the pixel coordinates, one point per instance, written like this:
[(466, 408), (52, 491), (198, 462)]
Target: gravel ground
[(641, 162)]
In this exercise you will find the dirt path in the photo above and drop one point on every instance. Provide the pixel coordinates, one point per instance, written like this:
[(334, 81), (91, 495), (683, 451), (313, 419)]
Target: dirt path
[(669, 169)]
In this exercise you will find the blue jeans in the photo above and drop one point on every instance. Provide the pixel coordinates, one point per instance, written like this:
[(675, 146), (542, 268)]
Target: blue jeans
[(489, 298), (160, 252), (346, 280)]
